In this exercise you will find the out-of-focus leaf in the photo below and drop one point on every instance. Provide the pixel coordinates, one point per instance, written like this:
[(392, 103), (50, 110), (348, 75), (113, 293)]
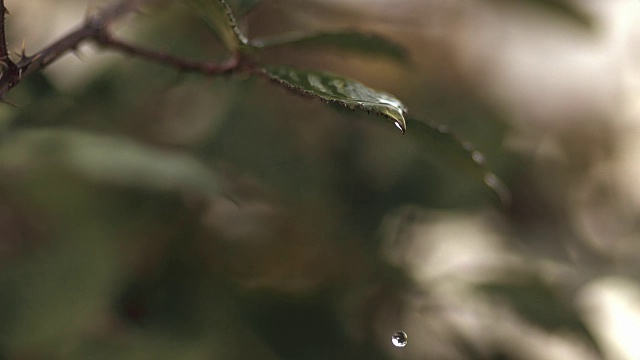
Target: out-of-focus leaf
[(58, 292), (334, 88), (357, 42), (242, 7), (541, 304), (562, 7), (440, 144), (145, 345), (219, 17), (105, 159)]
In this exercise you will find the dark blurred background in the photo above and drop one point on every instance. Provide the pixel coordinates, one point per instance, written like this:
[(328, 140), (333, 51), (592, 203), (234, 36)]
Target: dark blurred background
[(151, 214)]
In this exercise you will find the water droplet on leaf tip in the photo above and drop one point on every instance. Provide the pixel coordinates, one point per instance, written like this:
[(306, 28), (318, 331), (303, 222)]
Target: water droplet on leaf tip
[(399, 339)]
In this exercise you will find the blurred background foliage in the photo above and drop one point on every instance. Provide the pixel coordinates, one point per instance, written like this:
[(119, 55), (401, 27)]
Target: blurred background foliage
[(151, 214)]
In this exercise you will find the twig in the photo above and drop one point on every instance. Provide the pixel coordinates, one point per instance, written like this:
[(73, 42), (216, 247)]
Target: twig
[(96, 28), (4, 52), (7, 66), (207, 68)]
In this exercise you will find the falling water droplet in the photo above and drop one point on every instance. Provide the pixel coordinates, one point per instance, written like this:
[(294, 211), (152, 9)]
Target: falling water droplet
[(399, 339)]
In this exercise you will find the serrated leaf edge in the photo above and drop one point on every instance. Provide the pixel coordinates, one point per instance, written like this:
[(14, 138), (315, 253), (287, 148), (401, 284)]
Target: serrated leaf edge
[(400, 123)]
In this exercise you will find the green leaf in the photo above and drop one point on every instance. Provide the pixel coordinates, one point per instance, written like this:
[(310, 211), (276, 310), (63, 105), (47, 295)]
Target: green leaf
[(334, 88), (439, 143), (219, 17), (104, 159), (366, 44), (242, 7), (539, 303), (55, 293)]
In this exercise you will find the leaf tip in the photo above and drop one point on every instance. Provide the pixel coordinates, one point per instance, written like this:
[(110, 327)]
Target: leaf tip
[(401, 125)]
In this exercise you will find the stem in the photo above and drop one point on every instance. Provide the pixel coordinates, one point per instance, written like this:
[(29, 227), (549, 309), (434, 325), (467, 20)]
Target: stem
[(7, 67), (4, 53), (96, 28), (182, 64)]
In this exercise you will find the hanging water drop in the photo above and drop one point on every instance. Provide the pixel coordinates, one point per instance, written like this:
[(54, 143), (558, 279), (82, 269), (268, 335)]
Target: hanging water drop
[(399, 339)]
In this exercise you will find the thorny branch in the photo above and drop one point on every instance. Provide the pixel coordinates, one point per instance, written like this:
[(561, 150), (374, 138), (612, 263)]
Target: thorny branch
[(95, 28), (4, 53), (6, 65)]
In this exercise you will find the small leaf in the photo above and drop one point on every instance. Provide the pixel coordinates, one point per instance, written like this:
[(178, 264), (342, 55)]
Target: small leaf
[(334, 88), (218, 16), (366, 44), (439, 143), (104, 159)]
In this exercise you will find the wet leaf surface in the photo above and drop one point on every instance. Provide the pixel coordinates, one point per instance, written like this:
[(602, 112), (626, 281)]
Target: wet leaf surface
[(335, 88)]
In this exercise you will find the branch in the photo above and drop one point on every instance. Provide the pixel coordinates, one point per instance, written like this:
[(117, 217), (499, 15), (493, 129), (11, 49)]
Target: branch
[(207, 68), (96, 28), (7, 66), (4, 53)]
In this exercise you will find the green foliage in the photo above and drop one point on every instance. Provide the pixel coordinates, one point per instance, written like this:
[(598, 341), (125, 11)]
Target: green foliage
[(242, 7), (220, 19), (541, 304), (105, 159), (337, 89), (334, 88), (351, 41), (164, 217), (437, 142), (53, 295)]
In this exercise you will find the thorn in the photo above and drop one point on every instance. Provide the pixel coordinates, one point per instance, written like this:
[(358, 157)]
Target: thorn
[(76, 51), (23, 50)]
